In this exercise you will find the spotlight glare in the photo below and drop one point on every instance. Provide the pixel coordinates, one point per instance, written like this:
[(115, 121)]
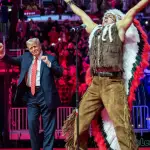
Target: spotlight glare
[(9, 9), (146, 22)]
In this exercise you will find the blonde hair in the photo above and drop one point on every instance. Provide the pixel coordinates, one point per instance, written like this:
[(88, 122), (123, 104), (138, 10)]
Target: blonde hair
[(33, 40)]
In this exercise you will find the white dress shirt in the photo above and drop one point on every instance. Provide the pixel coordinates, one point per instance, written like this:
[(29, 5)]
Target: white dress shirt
[(28, 82)]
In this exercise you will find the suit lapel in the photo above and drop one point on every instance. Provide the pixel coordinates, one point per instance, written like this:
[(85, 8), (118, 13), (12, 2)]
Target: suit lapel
[(26, 67), (29, 62), (42, 65)]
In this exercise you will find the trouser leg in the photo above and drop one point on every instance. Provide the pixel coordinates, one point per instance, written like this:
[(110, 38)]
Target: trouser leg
[(33, 123), (115, 101), (89, 106), (49, 122)]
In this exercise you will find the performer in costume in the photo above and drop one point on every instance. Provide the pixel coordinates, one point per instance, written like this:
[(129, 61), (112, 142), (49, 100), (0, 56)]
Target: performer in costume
[(109, 57), (135, 60)]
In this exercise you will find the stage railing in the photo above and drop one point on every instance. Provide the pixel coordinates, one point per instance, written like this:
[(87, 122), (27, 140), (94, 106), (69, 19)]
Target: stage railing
[(15, 52), (18, 123), (140, 118), (62, 114)]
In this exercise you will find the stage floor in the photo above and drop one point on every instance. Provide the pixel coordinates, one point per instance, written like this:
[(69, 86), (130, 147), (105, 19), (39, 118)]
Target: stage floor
[(58, 148)]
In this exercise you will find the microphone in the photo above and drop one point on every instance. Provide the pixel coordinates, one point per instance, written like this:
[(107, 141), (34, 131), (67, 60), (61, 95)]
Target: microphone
[(78, 28)]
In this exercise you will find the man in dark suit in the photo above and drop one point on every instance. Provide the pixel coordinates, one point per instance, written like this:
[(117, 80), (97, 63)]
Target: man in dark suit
[(37, 85)]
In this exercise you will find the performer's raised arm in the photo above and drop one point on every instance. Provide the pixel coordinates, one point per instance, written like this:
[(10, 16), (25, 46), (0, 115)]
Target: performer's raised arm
[(127, 20), (90, 25)]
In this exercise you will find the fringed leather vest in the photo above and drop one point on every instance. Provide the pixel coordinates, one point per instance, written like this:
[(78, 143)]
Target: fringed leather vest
[(106, 49)]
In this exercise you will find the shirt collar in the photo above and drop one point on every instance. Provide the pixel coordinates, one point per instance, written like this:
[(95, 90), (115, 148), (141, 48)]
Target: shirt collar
[(39, 57)]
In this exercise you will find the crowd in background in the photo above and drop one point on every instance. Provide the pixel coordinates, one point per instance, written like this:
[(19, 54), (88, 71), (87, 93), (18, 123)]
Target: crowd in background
[(57, 40)]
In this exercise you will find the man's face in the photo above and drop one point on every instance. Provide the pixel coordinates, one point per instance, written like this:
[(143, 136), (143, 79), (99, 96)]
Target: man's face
[(35, 49), (108, 19)]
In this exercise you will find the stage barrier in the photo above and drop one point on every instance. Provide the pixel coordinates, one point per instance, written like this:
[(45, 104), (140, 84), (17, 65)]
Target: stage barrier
[(18, 123)]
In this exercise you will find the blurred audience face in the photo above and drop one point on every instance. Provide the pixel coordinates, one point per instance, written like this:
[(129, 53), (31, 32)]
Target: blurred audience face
[(53, 28), (72, 71), (80, 43), (65, 47), (85, 65), (112, 3), (65, 72), (70, 46), (64, 53), (36, 33), (45, 43)]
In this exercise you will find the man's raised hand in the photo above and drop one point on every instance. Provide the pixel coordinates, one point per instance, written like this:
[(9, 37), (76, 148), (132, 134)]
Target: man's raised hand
[(45, 59)]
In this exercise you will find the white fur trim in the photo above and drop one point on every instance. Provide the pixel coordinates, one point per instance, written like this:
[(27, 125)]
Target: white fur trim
[(109, 130), (109, 32), (92, 34)]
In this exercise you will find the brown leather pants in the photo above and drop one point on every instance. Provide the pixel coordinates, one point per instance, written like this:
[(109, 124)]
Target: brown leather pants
[(110, 93)]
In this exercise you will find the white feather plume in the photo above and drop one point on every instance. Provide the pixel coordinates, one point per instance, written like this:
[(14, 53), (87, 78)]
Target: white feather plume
[(109, 130), (130, 52)]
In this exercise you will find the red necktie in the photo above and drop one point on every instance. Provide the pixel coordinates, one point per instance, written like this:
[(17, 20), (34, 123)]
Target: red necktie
[(33, 76)]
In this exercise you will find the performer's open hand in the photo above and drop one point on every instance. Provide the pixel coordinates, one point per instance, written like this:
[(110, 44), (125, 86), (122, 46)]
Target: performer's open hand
[(45, 59), (1, 49)]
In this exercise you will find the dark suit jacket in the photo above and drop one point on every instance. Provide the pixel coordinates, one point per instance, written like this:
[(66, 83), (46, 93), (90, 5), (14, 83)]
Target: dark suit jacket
[(47, 74)]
